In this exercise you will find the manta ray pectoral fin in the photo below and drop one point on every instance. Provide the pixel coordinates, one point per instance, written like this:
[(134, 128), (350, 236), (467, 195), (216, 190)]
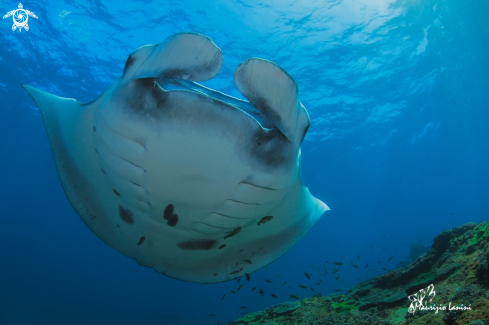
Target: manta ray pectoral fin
[(187, 56), (275, 94)]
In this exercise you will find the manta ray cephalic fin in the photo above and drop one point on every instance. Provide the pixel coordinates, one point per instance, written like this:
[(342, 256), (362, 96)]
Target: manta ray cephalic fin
[(187, 56), (275, 94)]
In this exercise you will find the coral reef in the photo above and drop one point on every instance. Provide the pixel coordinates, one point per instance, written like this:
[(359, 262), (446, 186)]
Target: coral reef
[(449, 285)]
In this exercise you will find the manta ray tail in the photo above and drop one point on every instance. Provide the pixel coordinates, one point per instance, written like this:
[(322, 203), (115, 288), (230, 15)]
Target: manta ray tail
[(274, 93), (187, 56)]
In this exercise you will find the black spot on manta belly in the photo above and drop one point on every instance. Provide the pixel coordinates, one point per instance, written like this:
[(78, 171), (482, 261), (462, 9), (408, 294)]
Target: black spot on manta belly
[(233, 233), (264, 220), (172, 222), (116, 192), (197, 245), (168, 212), (141, 240), (126, 215)]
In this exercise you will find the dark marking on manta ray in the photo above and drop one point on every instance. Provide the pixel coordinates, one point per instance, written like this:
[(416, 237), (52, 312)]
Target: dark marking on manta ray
[(94, 129), (168, 212), (215, 274), (118, 226), (103, 171), (130, 60), (172, 222), (247, 261), (116, 193), (264, 220), (233, 233), (197, 245), (96, 150), (240, 250), (222, 246), (126, 215), (235, 272), (141, 240)]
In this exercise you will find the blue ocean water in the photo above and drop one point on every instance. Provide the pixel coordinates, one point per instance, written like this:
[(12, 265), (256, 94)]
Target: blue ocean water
[(398, 145)]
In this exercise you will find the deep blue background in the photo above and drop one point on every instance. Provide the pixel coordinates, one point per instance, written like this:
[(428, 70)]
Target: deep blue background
[(397, 92)]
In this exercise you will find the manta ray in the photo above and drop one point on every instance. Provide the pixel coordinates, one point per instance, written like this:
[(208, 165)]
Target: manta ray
[(199, 185), (415, 251)]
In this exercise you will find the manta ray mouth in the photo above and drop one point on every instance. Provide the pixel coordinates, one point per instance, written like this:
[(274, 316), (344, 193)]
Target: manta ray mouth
[(244, 105)]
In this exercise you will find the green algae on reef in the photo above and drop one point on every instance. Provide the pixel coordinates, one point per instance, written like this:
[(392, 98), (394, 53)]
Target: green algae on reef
[(457, 265)]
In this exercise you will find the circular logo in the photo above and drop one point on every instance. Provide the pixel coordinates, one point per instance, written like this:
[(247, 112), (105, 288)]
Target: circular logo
[(20, 18)]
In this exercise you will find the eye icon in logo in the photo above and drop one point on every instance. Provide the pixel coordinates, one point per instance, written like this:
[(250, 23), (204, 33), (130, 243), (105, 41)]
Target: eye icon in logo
[(20, 17)]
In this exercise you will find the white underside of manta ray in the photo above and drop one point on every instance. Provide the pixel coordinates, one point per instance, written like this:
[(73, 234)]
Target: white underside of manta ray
[(198, 185)]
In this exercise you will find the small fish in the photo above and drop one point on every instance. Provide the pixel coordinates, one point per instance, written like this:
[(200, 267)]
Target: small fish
[(311, 288), (268, 281), (253, 289), (233, 233), (380, 262), (317, 283), (358, 257), (223, 297), (359, 279), (278, 276), (392, 234), (302, 286), (384, 249), (232, 291), (246, 312), (247, 261), (248, 278), (337, 278), (307, 275), (212, 315), (222, 246), (321, 280), (335, 270), (274, 295), (300, 267), (338, 290), (284, 283), (371, 246), (264, 220), (322, 274), (326, 262), (294, 296), (390, 259), (243, 307), (261, 291), (238, 280), (355, 266), (337, 263), (312, 266), (240, 287), (366, 265), (384, 269), (342, 280), (452, 213)]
